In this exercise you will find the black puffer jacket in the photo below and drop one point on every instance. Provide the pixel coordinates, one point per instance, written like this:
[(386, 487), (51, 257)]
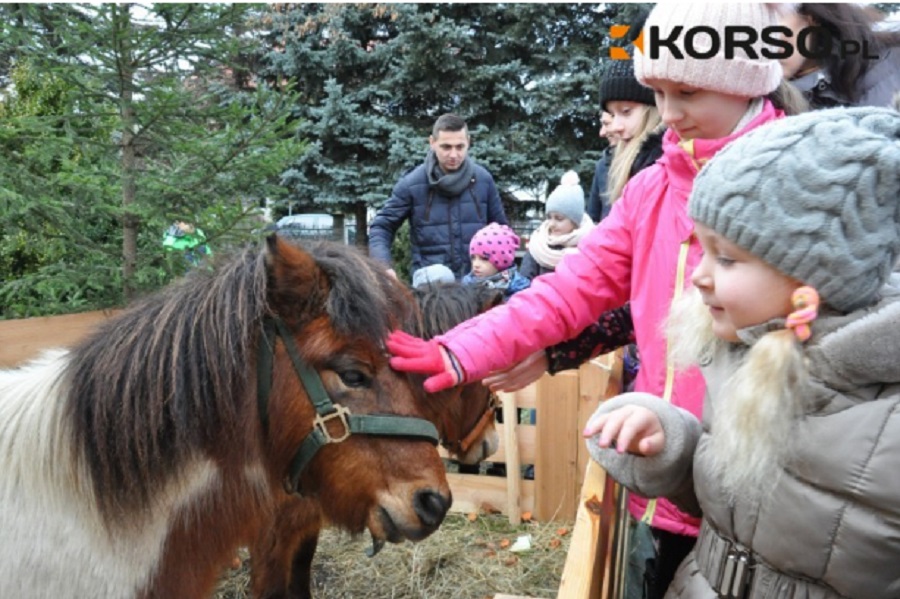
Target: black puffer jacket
[(440, 227)]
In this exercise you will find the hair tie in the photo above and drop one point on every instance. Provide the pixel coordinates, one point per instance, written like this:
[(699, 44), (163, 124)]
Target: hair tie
[(806, 303)]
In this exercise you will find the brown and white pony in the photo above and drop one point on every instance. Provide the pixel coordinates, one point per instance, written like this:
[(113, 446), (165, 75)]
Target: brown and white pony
[(282, 555), (135, 464)]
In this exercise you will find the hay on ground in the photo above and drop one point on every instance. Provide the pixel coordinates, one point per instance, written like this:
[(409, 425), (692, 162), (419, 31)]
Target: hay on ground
[(467, 558)]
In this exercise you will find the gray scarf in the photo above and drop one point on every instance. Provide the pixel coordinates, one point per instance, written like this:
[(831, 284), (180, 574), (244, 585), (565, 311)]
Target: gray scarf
[(451, 184)]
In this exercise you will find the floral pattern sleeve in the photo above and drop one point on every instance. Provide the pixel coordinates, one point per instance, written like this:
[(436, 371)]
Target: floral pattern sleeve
[(613, 330)]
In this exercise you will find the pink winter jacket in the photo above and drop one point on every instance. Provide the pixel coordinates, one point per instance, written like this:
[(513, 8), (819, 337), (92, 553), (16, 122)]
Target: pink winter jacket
[(633, 254)]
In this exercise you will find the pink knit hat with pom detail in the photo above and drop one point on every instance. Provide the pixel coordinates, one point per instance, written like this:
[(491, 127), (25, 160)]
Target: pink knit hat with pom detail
[(496, 243), (738, 76)]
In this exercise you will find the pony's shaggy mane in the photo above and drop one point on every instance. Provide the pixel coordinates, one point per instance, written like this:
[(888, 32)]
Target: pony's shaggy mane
[(170, 377), (443, 306), (363, 300)]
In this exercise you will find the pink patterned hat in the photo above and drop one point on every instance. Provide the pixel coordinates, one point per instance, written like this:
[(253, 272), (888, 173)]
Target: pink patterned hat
[(496, 243)]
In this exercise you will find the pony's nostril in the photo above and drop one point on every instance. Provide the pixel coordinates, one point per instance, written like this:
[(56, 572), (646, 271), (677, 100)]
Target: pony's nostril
[(431, 507)]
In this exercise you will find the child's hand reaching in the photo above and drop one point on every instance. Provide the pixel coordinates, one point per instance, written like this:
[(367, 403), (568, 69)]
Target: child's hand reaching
[(411, 354), (634, 429)]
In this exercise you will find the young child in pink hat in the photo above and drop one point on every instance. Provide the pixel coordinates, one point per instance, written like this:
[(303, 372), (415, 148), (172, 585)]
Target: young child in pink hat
[(493, 254)]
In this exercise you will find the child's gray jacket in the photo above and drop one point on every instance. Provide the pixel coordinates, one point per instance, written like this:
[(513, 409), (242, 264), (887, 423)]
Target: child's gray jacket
[(829, 526)]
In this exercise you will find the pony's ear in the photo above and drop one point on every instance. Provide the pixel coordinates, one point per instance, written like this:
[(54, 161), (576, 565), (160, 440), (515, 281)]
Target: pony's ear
[(296, 284)]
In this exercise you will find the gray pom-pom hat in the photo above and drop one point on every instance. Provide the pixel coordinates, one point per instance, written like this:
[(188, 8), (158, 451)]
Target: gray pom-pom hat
[(816, 195)]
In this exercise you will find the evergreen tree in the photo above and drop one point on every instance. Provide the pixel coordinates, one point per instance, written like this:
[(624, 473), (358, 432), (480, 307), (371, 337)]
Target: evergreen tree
[(122, 119)]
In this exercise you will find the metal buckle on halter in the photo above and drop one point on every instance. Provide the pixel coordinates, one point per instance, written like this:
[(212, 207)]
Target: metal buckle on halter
[(341, 414), (737, 573)]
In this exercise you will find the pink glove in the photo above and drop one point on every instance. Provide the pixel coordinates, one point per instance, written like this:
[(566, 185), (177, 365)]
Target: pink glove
[(412, 354)]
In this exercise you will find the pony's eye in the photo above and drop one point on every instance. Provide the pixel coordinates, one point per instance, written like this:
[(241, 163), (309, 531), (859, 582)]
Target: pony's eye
[(354, 378)]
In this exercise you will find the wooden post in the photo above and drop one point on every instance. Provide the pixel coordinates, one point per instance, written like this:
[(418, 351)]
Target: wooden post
[(587, 571), (598, 380), (513, 463), (556, 487), (593, 378)]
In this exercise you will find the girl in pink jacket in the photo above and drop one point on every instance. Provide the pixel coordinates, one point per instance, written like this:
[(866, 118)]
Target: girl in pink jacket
[(645, 250)]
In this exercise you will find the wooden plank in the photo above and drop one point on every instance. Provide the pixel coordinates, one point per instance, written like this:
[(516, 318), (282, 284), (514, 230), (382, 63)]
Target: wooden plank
[(475, 493), (593, 379), (513, 465), (587, 561), (527, 397), (23, 339), (554, 465), (562, 406), (598, 380)]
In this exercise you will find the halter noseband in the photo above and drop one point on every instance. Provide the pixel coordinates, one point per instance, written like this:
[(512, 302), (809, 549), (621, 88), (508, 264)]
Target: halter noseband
[(326, 411)]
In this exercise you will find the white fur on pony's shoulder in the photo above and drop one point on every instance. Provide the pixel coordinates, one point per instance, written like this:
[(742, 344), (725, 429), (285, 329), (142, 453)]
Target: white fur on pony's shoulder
[(52, 540)]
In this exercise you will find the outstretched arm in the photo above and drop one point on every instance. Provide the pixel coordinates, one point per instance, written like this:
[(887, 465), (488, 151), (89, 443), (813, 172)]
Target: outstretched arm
[(519, 375), (613, 330)]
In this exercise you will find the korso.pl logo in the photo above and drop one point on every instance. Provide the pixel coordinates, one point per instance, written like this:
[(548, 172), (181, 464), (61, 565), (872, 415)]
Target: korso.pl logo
[(773, 42)]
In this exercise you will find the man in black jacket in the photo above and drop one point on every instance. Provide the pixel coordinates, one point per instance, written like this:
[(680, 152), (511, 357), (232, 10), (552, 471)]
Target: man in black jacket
[(447, 199)]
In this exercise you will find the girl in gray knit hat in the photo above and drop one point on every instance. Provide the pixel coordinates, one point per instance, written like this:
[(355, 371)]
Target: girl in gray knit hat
[(795, 320)]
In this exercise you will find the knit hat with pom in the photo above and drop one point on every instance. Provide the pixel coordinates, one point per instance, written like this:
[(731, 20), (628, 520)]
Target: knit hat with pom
[(817, 196), (567, 199), (740, 75), (496, 243)]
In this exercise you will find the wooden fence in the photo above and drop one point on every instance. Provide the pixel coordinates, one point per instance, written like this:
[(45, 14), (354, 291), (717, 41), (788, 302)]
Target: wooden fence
[(553, 445), (23, 339)]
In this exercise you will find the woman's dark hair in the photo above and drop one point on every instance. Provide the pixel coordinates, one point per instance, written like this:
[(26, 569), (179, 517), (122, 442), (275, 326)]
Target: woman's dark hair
[(845, 21)]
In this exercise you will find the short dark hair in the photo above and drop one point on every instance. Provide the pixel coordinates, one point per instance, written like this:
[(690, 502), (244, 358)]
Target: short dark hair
[(448, 122)]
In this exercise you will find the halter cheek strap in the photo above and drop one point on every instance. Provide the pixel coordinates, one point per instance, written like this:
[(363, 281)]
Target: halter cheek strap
[(806, 308), (462, 446)]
